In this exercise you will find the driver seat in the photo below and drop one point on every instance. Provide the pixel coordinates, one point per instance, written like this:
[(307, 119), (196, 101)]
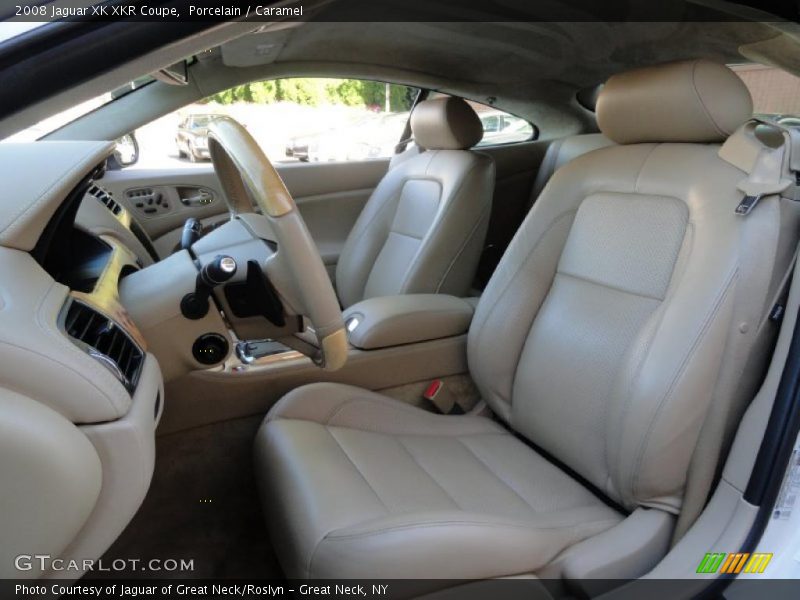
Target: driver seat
[(620, 310)]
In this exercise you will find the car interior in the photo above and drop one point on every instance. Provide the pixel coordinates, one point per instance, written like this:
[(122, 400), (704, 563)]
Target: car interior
[(554, 359)]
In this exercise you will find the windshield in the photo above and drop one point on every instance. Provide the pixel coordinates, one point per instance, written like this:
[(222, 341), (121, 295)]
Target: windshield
[(11, 29)]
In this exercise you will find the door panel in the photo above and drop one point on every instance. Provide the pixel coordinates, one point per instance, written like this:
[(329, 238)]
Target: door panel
[(125, 184), (330, 197)]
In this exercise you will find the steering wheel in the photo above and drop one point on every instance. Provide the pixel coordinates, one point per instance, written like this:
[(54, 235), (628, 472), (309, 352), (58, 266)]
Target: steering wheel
[(242, 167)]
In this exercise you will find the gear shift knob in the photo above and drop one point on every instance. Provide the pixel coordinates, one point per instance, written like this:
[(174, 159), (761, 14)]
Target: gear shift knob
[(218, 271)]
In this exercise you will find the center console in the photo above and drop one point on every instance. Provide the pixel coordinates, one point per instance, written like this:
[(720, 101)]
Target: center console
[(394, 341), (397, 320)]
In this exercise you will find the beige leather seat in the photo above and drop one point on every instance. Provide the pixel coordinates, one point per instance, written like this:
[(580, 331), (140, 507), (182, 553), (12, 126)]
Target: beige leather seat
[(617, 316), (422, 229), (562, 151)]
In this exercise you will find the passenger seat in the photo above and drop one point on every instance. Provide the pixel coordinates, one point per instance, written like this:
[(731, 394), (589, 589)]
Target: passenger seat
[(562, 151), (559, 153)]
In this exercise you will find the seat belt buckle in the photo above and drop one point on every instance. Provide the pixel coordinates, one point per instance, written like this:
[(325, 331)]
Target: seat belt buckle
[(433, 389), (443, 400), (747, 205)]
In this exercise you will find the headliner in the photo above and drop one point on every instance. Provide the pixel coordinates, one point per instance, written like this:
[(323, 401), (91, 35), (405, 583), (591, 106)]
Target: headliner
[(532, 69)]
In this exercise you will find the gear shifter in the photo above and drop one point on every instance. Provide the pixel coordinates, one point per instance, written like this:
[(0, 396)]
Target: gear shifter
[(194, 305)]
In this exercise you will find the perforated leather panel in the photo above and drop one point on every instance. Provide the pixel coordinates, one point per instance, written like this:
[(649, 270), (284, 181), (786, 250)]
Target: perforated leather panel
[(612, 277)]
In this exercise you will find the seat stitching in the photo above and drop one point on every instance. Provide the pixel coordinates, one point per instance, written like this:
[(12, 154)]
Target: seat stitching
[(463, 247), (659, 315), (641, 170), (609, 286), (338, 537), (359, 235), (440, 218), (634, 477), (397, 199), (411, 265), (369, 485), (697, 95), (337, 409), (386, 203), (325, 536), (397, 406), (524, 261), (408, 235), (511, 279), (495, 475), (401, 407), (424, 470)]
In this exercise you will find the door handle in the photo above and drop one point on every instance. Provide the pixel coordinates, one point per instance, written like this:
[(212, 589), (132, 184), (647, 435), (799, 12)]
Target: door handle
[(203, 198)]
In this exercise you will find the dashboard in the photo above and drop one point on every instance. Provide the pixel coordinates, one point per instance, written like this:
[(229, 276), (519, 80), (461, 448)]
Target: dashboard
[(69, 351), (91, 266)]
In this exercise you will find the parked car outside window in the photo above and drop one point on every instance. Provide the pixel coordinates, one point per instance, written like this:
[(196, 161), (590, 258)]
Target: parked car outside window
[(293, 119), (191, 138)]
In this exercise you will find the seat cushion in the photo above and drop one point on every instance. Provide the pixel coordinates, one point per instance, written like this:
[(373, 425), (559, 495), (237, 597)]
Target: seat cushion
[(360, 485)]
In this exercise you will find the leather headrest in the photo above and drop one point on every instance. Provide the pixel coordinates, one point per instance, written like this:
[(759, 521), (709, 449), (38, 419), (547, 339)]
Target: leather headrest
[(445, 124), (687, 101)]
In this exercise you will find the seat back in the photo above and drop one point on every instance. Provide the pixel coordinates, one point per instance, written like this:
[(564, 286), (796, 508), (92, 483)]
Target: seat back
[(601, 335), (562, 151), (422, 230)]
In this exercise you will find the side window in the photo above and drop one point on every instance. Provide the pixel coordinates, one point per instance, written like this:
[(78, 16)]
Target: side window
[(776, 93), (499, 127), (491, 123), (298, 119)]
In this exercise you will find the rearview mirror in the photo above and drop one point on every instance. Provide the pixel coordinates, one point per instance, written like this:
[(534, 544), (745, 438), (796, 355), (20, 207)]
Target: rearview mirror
[(126, 151)]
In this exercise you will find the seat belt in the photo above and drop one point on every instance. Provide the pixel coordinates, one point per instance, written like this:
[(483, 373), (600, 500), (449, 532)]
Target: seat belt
[(767, 169), (767, 174), (699, 482)]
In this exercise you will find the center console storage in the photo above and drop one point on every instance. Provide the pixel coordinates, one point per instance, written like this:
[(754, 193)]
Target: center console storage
[(406, 319), (395, 341)]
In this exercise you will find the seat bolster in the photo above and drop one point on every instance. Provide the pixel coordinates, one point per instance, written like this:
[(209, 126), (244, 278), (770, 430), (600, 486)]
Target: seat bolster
[(342, 405), (464, 544)]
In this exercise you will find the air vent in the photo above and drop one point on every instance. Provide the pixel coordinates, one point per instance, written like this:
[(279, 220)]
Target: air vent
[(105, 197), (106, 342)]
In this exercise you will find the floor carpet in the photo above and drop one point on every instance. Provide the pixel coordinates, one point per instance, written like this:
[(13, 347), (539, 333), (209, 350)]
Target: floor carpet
[(202, 506)]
